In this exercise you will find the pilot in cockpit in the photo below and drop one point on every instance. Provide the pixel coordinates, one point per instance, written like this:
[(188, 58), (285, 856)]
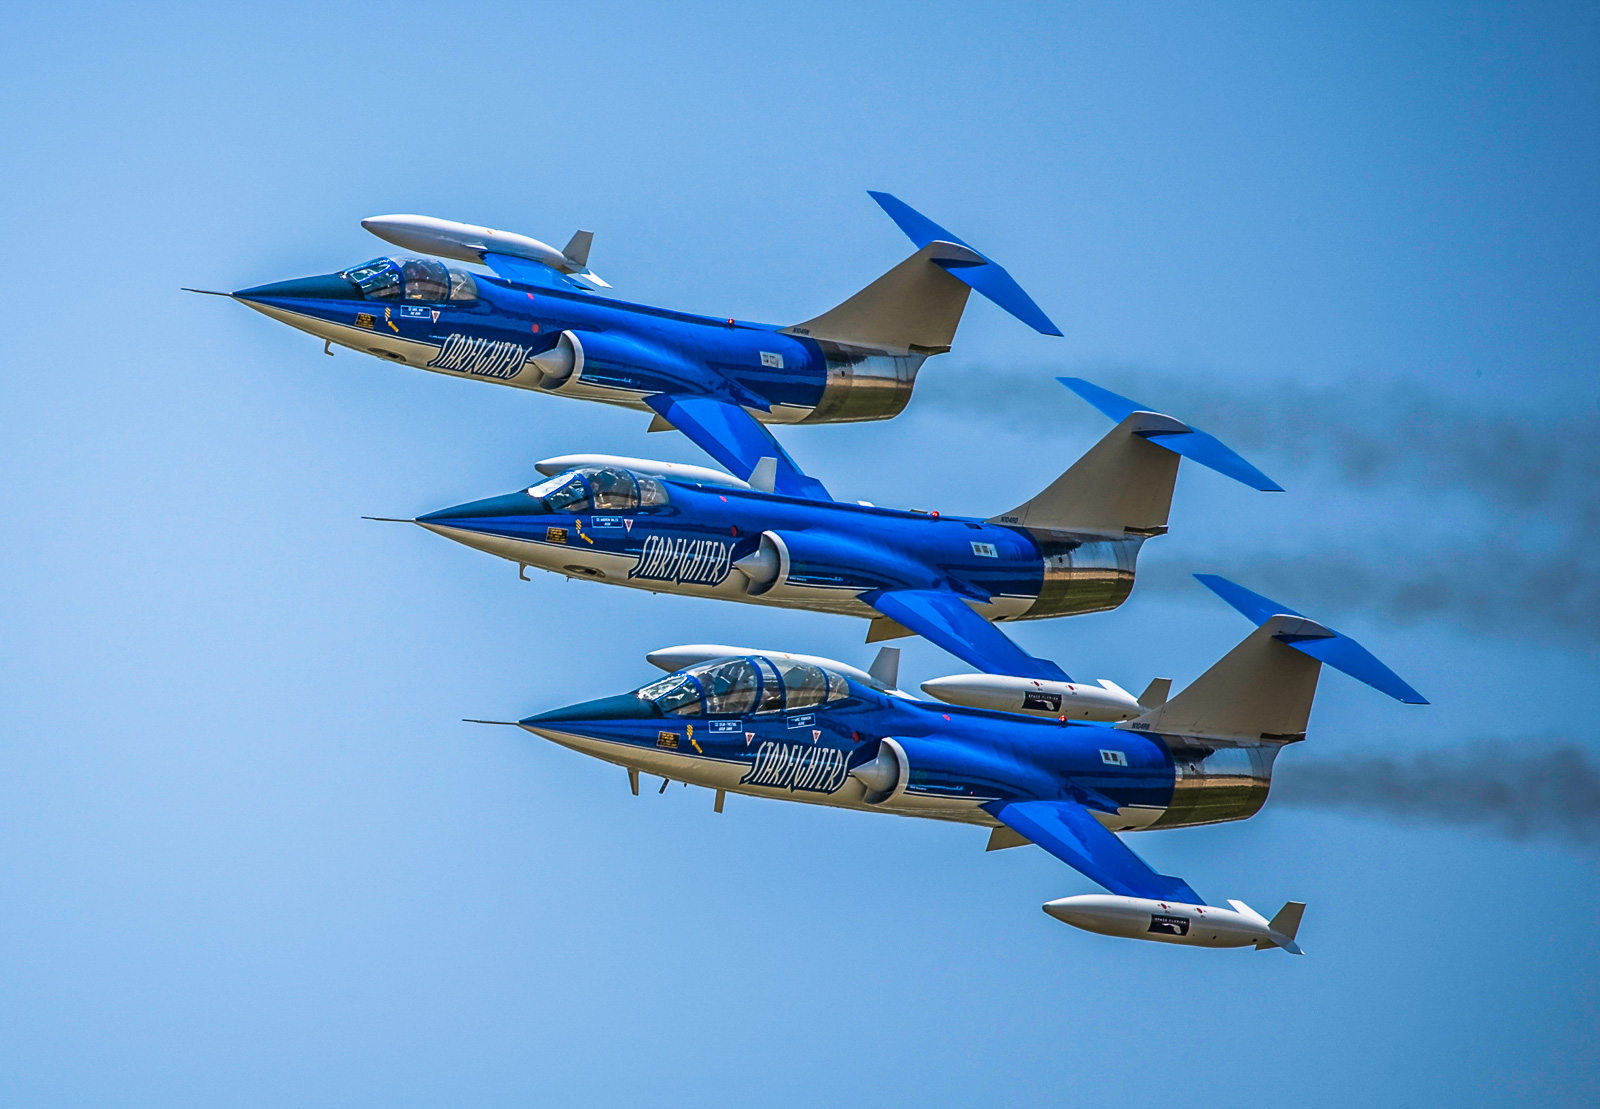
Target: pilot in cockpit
[(599, 489), (412, 279), (744, 686)]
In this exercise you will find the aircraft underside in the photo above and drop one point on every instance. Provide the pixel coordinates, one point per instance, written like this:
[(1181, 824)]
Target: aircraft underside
[(575, 559), (802, 776), (500, 363)]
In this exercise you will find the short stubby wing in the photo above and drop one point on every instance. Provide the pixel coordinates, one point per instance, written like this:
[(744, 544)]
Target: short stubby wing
[(1071, 833), (739, 441), (947, 620)]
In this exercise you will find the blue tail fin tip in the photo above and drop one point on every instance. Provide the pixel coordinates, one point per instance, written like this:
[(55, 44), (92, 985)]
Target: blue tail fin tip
[(1253, 606), (1195, 445), (1339, 651), (918, 227), (990, 279), (1109, 404)]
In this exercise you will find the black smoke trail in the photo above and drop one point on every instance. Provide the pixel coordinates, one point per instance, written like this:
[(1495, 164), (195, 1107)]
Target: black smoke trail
[(1526, 558), (1543, 790)]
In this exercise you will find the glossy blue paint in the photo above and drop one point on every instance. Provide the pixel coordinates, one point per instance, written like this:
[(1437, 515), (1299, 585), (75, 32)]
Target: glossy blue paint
[(735, 441), (858, 362), (1070, 833), (630, 349), (836, 557), (943, 617), (775, 726), (796, 547), (960, 764)]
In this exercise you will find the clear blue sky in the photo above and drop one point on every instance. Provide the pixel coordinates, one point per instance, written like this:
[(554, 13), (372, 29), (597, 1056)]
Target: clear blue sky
[(250, 857)]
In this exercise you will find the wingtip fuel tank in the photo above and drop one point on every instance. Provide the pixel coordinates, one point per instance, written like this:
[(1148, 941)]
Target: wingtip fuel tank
[(1140, 918), (468, 242), (1036, 696)]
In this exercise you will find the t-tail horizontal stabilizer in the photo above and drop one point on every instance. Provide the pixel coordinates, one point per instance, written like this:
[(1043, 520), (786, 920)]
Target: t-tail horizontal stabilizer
[(1123, 484), (1316, 640), (970, 267), (1176, 436)]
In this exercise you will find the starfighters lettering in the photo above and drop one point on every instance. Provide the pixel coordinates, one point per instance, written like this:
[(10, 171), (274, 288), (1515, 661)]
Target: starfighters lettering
[(793, 767), (685, 561), (480, 357)]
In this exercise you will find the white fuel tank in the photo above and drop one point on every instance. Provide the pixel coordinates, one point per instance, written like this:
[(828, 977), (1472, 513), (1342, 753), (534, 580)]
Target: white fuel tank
[(690, 654), (1139, 918), (1036, 697), (465, 242), (676, 470)]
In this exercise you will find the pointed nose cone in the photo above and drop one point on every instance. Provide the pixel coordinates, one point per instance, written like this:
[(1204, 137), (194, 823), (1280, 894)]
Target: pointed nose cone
[(491, 508), (625, 707), (497, 525), (328, 286)]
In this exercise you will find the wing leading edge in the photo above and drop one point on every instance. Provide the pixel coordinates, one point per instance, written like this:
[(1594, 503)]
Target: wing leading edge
[(738, 441), (945, 619), (1071, 833)]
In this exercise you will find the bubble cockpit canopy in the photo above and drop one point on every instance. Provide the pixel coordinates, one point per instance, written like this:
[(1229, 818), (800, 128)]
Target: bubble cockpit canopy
[(413, 279), (744, 686), (599, 489)]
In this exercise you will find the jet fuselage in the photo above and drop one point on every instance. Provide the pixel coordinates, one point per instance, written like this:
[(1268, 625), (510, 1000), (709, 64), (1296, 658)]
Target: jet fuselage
[(738, 544), (577, 344), (712, 725)]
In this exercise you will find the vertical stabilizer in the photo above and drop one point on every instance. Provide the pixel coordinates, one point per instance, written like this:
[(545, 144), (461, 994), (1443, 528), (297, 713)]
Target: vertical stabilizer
[(913, 309), (1124, 483), (1262, 689)]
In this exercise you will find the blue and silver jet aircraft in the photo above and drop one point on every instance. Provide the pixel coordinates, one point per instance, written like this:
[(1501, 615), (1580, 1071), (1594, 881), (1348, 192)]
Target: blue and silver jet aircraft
[(537, 324), (795, 728), (672, 529)]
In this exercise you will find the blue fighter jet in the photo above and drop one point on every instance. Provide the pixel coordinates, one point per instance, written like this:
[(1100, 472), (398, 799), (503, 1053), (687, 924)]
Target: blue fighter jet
[(798, 729), (538, 324), (671, 529)]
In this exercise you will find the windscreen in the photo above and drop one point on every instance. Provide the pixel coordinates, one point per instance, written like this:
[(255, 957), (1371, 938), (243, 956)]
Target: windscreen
[(378, 279), (566, 492), (675, 695)]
